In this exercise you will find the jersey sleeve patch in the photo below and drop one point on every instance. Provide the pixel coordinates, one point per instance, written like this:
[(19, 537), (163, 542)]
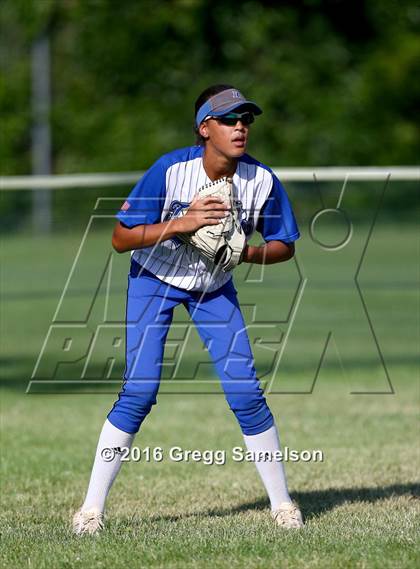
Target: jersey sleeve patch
[(144, 205)]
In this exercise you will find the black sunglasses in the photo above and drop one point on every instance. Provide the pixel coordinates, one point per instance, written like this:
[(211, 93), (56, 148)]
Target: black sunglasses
[(232, 118)]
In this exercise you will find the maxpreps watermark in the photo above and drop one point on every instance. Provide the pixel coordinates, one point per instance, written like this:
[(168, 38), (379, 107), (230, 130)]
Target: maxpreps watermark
[(209, 457)]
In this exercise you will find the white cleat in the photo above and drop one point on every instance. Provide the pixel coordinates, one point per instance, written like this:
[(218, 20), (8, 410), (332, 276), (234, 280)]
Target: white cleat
[(88, 521), (288, 516)]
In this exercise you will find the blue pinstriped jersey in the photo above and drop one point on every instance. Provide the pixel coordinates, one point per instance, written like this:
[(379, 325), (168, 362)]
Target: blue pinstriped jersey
[(171, 184)]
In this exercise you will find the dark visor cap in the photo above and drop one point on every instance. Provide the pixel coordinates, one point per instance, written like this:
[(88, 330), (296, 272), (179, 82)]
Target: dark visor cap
[(225, 102)]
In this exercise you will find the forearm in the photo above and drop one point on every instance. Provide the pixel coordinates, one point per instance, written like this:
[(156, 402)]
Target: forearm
[(125, 239), (270, 253)]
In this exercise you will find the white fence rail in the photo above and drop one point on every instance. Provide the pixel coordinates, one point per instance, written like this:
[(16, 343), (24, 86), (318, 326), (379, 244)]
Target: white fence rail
[(330, 174)]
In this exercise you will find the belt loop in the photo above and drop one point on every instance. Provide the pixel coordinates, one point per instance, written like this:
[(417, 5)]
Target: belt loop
[(134, 269)]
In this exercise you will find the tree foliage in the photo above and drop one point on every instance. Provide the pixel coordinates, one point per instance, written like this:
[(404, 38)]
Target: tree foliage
[(336, 80)]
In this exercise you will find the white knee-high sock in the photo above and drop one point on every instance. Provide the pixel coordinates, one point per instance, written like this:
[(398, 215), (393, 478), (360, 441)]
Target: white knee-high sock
[(103, 472), (271, 472)]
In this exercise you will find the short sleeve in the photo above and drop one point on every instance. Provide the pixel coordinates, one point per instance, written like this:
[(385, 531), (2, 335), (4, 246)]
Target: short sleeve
[(276, 221), (144, 205)]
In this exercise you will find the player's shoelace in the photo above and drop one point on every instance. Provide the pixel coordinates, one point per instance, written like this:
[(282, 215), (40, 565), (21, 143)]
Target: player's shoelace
[(89, 521), (288, 517)]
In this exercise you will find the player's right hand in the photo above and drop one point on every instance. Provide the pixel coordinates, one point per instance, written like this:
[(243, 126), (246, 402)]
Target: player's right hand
[(203, 211)]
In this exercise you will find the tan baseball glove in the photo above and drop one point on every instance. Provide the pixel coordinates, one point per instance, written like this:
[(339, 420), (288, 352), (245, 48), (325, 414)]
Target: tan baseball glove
[(225, 242)]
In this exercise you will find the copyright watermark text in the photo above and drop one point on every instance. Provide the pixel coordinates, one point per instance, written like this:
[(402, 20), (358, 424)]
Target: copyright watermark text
[(209, 457)]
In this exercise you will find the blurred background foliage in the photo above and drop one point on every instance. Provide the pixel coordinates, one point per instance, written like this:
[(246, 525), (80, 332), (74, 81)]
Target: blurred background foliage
[(336, 79)]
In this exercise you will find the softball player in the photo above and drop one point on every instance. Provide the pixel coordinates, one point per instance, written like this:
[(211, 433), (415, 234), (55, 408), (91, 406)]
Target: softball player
[(165, 272)]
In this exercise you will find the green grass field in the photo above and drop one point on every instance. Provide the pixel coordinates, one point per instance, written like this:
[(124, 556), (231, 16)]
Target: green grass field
[(361, 503)]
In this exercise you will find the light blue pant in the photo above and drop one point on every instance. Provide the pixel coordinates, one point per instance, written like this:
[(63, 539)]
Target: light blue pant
[(219, 321)]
